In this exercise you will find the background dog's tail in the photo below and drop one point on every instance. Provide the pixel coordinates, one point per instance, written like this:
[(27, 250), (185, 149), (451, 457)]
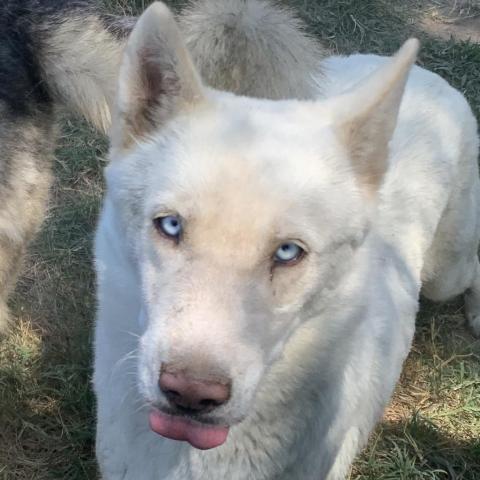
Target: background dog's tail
[(78, 50), (252, 47)]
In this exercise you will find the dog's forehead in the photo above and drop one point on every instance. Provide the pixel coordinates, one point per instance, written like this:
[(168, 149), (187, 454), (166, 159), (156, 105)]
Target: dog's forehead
[(251, 143), (236, 158), (251, 122)]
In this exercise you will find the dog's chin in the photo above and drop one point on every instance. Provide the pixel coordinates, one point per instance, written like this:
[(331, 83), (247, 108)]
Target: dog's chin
[(204, 435)]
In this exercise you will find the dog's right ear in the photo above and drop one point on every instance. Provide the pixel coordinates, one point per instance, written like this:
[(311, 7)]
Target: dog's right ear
[(157, 78)]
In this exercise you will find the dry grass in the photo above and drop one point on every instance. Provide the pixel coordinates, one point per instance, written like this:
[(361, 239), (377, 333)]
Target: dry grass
[(432, 428)]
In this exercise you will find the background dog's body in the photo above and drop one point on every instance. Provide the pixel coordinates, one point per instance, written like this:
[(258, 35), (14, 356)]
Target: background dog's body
[(66, 54), (49, 56), (313, 397)]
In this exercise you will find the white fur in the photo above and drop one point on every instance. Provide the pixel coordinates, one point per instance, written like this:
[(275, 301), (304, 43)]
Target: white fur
[(314, 350)]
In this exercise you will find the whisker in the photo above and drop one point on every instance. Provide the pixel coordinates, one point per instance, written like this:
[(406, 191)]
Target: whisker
[(132, 355)]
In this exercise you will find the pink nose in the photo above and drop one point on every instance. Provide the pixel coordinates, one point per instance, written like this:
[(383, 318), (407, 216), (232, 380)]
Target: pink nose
[(190, 394)]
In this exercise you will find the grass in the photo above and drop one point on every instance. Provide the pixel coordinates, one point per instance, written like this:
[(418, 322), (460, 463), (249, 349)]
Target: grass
[(430, 431)]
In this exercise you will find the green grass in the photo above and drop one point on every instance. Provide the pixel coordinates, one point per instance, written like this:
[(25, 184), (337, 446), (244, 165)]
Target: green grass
[(430, 431)]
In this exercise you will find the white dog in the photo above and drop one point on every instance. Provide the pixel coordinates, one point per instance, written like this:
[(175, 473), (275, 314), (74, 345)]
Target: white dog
[(260, 262)]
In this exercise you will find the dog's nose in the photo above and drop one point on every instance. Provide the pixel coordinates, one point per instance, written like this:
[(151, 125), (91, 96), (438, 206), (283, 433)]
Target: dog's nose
[(191, 394)]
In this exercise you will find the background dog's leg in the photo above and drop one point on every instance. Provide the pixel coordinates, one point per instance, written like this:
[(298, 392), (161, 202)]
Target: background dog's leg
[(11, 254), (25, 163)]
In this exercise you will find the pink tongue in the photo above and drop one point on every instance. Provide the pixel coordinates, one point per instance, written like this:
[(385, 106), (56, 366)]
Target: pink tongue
[(178, 428)]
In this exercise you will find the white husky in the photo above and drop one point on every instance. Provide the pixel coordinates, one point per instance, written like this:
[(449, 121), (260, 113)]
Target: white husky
[(260, 262)]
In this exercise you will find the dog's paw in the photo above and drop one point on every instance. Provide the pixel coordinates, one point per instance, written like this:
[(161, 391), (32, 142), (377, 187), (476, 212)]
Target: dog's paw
[(472, 312)]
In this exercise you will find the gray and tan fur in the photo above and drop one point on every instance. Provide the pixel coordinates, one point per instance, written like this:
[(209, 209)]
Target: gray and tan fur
[(252, 49), (66, 53)]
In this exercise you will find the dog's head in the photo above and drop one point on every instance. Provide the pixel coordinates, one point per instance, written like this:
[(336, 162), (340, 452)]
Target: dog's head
[(240, 213)]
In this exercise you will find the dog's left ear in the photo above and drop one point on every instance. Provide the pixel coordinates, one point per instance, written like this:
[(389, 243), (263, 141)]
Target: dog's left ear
[(157, 78), (365, 117)]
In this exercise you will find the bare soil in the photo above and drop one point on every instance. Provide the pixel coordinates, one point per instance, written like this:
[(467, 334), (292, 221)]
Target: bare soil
[(456, 19)]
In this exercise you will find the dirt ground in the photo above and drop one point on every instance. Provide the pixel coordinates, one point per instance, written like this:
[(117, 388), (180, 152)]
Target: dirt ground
[(457, 19)]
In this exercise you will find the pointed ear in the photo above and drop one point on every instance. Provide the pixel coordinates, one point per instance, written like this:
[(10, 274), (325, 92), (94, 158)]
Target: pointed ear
[(157, 78), (365, 118)]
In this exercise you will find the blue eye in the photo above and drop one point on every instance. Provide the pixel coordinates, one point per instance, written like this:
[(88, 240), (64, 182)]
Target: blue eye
[(170, 226), (288, 252)]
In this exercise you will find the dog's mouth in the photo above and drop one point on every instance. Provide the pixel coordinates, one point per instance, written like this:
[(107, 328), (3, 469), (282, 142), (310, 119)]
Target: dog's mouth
[(200, 435)]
